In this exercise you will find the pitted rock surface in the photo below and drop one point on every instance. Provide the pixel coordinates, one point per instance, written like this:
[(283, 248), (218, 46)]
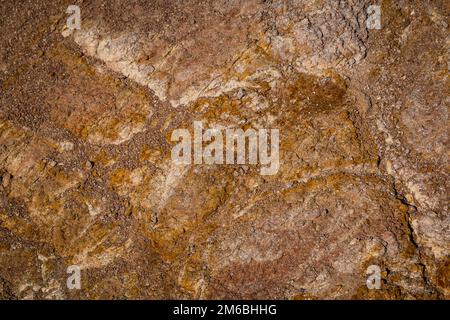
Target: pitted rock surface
[(87, 177)]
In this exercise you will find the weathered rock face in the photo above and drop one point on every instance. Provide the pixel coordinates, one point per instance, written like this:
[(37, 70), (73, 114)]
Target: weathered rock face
[(87, 177)]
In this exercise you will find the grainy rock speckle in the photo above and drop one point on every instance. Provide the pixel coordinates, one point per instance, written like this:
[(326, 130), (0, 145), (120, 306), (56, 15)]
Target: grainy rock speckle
[(86, 176)]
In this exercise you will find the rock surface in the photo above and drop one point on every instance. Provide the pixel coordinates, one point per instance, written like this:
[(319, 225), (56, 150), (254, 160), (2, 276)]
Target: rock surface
[(87, 177)]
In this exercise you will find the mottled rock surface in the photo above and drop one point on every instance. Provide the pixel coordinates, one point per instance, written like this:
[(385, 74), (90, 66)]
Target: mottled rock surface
[(87, 177)]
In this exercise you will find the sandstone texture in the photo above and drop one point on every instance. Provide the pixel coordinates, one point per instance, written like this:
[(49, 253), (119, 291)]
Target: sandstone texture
[(87, 179)]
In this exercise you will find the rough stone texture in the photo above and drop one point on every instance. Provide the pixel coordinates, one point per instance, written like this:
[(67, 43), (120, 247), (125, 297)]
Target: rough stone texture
[(87, 178)]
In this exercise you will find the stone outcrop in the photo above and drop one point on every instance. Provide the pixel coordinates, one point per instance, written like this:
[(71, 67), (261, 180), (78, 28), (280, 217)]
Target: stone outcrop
[(87, 177)]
